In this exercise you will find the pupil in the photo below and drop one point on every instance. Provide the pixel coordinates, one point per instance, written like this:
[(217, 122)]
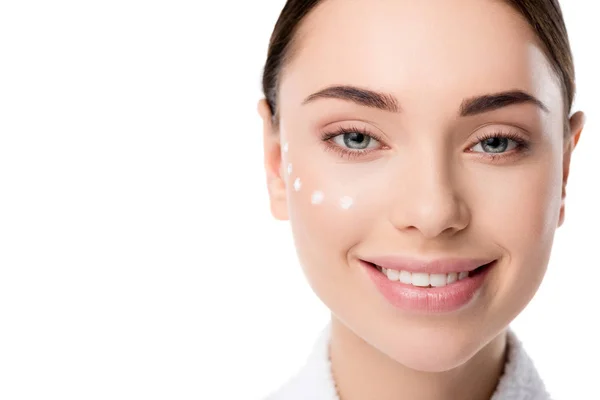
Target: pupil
[(497, 145), (356, 140)]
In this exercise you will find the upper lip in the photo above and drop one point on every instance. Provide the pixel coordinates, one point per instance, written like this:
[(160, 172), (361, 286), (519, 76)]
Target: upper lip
[(435, 266)]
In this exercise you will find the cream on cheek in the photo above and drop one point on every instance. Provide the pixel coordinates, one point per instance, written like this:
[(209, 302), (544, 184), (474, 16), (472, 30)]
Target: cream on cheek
[(346, 202), (319, 197), (316, 196), (297, 184)]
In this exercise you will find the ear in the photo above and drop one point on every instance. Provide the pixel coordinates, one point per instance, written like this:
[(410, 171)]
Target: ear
[(576, 123), (276, 183)]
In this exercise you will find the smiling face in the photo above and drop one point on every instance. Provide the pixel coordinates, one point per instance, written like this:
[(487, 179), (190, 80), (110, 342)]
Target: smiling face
[(386, 148)]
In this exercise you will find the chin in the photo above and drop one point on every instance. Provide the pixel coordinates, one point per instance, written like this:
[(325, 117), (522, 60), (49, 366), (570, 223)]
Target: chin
[(434, 351), (429, 361)]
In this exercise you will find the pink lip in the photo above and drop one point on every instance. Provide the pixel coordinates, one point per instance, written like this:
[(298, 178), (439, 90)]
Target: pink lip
[(443, 299), (439, 266)]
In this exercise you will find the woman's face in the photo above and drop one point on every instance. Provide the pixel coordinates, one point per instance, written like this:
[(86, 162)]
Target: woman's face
[(427, 174)]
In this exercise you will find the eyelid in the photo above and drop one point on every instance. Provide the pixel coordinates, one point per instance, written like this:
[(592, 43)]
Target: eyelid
[(523, 145), (327, 134), (491, 131), (327, 137), (500, 127)]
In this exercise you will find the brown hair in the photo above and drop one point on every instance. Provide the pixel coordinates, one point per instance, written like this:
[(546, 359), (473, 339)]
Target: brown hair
[(544, 16)]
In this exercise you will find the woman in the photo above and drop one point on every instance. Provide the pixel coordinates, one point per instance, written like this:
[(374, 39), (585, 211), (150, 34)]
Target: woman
[(421, 152)]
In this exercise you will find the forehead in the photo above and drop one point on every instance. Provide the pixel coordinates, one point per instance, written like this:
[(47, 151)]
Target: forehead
[(428, 53)]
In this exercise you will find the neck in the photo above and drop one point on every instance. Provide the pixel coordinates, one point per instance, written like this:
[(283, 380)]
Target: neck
[(361, 371)]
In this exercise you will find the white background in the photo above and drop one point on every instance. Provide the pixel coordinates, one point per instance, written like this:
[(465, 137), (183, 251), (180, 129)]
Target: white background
[(138, 257)]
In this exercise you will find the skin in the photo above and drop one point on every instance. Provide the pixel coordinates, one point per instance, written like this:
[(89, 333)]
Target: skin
[(428, 189)]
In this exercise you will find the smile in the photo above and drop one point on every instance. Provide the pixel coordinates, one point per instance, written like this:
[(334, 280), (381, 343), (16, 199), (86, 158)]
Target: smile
[(422, 279), (438, 291)]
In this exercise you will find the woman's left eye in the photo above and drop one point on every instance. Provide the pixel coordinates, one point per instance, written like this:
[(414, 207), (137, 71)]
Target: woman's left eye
[(495, 145), (355, 141)]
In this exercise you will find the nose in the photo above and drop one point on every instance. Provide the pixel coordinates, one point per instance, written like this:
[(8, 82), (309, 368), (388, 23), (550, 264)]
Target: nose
[(428, 199)]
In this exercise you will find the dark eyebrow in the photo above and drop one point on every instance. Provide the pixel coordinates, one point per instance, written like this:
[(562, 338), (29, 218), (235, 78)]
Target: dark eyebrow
[(387, 102), (490, 102), (363, 97)]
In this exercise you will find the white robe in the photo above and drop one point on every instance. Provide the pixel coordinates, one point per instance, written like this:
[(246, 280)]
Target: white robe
[(520, 380)]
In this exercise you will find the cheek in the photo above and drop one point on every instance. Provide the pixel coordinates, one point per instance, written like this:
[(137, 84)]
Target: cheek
[(521, 208), (324, 215), (330, 210), (524, 207), (521, 217), (328, 217)]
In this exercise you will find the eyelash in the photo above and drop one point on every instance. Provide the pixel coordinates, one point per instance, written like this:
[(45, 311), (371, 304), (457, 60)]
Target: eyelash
[(521, 144), (344, 152)]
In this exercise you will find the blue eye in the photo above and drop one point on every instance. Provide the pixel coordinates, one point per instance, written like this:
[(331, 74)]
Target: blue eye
[(496, 144), (352, 142), (355, 141), (499, 144)]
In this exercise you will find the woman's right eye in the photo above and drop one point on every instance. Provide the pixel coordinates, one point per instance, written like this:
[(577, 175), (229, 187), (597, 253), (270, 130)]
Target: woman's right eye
[(356, 141)]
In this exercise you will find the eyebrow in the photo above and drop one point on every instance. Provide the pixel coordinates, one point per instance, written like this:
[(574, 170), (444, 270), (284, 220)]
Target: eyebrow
[(387, 102)]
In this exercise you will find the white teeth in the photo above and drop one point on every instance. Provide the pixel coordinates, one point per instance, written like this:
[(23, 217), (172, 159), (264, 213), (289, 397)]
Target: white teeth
[(438, 280), (393, 274), (422, 279), (405, 277), (452, 277)]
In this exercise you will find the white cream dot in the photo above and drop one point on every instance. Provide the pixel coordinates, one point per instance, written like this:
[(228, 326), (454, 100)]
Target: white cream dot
[(297, 184), (286, 147), (346, 202), (317, 197), (289, 169)]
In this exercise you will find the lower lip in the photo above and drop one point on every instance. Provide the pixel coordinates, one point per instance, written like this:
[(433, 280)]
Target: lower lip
[(443, 299)]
